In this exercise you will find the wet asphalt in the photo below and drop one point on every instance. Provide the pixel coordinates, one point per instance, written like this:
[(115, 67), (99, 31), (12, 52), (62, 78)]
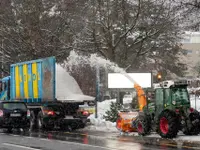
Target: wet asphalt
[(77, 140)]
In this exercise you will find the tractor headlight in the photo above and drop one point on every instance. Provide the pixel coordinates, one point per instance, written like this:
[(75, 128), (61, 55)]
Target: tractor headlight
[(174, 102)]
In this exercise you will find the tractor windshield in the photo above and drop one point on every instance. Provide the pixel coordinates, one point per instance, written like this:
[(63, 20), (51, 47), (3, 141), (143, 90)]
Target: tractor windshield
[(180, 95)]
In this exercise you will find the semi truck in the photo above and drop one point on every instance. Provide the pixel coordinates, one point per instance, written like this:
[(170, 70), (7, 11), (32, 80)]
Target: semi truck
[(34, 82)]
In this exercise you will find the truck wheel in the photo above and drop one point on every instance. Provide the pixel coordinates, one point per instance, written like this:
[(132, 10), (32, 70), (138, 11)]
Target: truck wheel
[(32, 121), (167, 124), (192, 129), (9, 130), (83, 125), (69, 128), (74, 125), (143, 124), (41, 124), (40, 121)]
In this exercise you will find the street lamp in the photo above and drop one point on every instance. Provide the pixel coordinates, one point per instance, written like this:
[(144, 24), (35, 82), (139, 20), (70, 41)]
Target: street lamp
[(159, 77)]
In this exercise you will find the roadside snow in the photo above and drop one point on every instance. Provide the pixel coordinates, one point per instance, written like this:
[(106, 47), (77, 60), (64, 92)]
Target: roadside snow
[(188, 138), (195, 102), (100, 123)]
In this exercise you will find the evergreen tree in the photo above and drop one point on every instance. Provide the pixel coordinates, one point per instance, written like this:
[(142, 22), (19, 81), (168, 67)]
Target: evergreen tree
[(112, 114)]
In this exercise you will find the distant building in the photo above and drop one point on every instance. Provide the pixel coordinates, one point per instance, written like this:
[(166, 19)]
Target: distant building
[(191, 49)]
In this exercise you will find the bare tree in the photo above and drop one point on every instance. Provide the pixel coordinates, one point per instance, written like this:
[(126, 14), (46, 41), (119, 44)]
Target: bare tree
[(129, 32)]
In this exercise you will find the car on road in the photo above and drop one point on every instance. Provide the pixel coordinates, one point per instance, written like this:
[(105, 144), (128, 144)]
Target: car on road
[(14, 114)]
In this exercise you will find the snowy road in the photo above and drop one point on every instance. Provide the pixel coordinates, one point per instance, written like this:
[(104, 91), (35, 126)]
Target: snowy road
[(81, 140)]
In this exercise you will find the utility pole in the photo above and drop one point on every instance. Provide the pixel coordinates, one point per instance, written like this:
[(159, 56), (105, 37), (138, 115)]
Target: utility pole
[(2, 58)]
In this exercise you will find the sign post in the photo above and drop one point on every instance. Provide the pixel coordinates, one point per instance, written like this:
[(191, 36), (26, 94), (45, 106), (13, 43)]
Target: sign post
[(97, 90)]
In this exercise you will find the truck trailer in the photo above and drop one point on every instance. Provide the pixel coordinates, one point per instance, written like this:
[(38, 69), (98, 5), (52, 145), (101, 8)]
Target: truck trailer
[(34, 82)]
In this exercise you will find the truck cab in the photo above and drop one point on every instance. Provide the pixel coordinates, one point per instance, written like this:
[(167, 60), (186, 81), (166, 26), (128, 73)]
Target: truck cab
[(5, 88)]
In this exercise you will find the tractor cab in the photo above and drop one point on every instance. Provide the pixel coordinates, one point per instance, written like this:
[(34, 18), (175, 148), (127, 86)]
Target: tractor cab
[(172, 95)]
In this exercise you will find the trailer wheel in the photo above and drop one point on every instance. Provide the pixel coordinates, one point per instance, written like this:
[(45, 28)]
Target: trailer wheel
[(167, 124), (143, 124)]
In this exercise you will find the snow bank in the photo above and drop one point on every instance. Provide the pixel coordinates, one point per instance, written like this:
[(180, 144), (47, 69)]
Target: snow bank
[(100, 123), (67, 88)]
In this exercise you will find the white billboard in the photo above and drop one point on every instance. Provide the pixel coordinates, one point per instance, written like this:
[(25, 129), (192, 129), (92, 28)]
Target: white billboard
[(117, 80)]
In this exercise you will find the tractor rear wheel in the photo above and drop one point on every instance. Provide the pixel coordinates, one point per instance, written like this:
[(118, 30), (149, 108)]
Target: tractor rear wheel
[(192, 129), (143, 124), (167, 124)]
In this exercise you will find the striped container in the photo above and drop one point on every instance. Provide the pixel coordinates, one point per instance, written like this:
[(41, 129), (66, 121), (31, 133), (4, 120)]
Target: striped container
[(33, 81)]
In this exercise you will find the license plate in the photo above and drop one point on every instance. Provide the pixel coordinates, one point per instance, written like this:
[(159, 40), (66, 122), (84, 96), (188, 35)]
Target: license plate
[(15, 115), (91, 110), (69, 117)]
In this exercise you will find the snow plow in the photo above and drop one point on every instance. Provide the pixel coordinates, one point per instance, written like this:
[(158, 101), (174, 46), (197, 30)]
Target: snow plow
[(167, 113), (124, 121)]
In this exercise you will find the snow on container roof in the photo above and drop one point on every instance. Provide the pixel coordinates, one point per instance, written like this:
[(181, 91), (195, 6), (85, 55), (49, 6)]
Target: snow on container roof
[(67, 89)]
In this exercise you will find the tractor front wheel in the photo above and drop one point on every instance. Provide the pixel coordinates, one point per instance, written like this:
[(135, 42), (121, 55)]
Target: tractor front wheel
[(143, 125), (167, 124)]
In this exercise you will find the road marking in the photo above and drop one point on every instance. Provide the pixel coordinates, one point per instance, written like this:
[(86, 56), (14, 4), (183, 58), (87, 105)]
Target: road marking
[(19, 146)]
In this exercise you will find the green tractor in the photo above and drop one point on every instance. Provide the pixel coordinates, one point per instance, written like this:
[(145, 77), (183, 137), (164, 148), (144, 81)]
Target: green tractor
[(169, 112)]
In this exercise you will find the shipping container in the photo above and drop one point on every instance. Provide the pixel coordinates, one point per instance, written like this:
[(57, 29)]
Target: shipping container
[(33, 81)]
